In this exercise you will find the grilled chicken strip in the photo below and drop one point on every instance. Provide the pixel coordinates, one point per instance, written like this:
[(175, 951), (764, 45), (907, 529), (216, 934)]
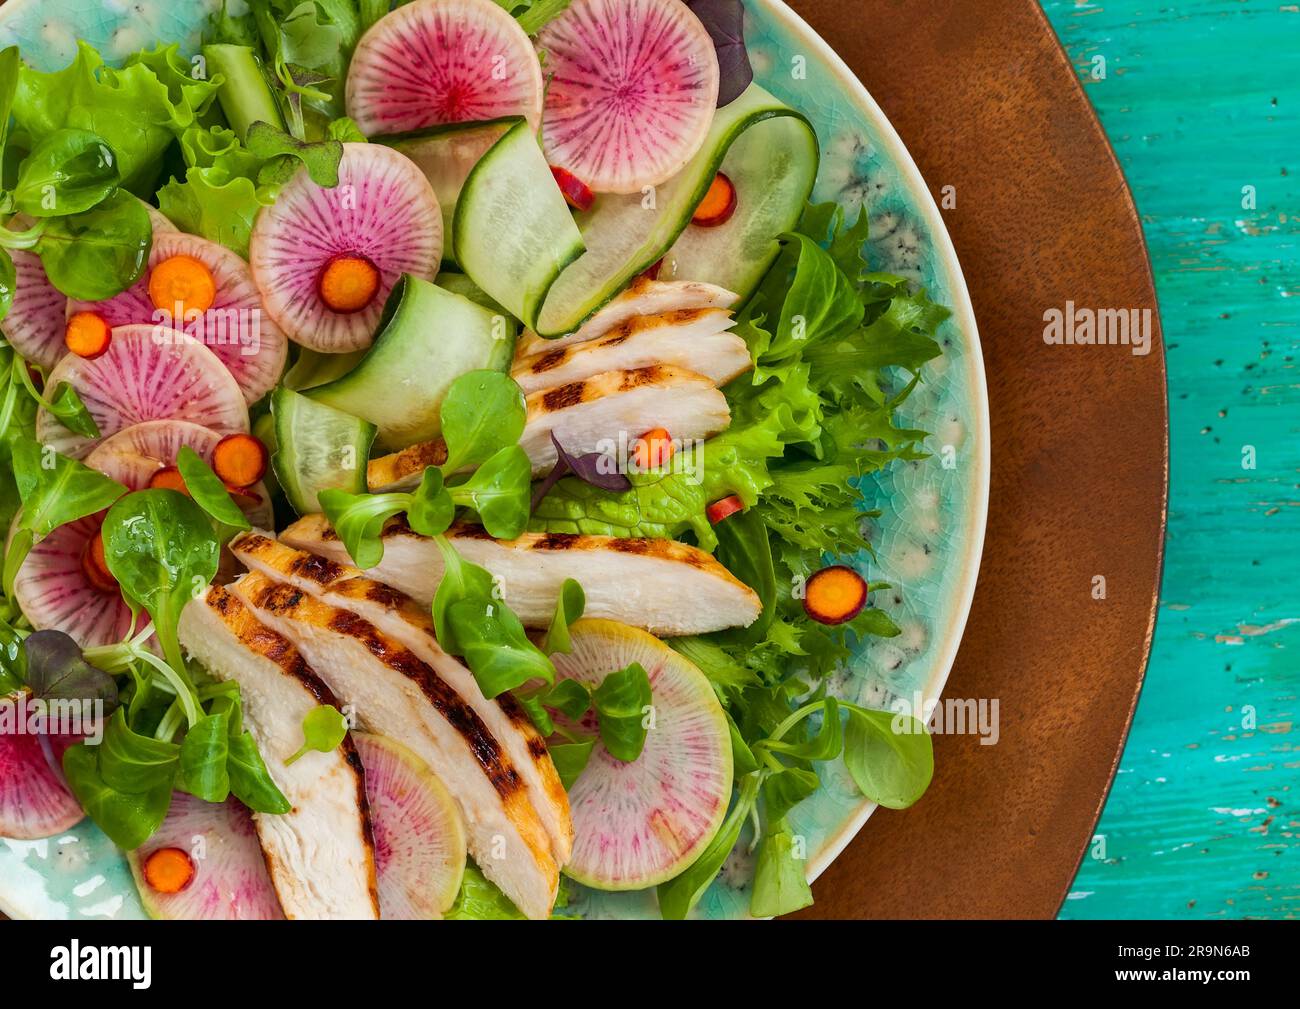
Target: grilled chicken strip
[(642, 297), (585, 416), (410, 624), (669, 588), (395, 694), (321, 854), (694, 338)]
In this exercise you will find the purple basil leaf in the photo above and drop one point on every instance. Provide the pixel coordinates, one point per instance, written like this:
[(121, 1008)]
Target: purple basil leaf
[(593, 468), (56, 671), (588, 468), (724, 20)]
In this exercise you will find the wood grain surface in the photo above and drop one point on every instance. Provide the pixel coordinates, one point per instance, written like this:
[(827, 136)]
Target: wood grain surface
[(1200, 99), (988, 103)]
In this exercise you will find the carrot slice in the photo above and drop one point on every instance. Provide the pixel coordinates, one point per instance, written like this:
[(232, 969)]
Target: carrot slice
[(87, 334), (723, 507), (348, 284), (94, 565), (653, 449), (168, 478), (181, 285), (240, 460), (169, 870), (835, 594), (718, 205)]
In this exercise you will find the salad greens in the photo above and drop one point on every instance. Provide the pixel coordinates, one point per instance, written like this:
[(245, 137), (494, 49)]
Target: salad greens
[(482, 419), (207, 491), (323, 729)]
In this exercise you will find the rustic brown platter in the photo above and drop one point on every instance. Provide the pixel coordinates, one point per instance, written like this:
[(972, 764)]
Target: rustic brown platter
[(988, 103)]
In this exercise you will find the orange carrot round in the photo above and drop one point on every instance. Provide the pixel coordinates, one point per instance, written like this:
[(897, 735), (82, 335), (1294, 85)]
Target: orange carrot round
[(87, 334), (348, 284), (168, 478), (240, 460), (653, 449), (95, 566), (835, 595), (168, 870), (180, 285), (718, 205), (724, 507)]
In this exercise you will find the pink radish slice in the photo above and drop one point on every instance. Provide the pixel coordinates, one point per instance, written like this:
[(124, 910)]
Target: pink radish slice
[(382, 210), (235, 328), (54, 593), (135, 454), (639, 823), (34, 802), (443, 61), (631, 94), (147, 373), (37, 316), (419, 836), (230, 880)]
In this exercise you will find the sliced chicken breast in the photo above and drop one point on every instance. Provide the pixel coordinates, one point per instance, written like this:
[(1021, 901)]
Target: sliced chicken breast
[(666, 587), (395, 694), (642, 297), (411, 624), (618, 407), (403, 470), (693, 338), (321, 854)]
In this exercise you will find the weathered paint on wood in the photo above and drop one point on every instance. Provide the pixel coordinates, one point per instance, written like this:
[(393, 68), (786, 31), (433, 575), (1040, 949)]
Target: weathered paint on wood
[(1201, 100)]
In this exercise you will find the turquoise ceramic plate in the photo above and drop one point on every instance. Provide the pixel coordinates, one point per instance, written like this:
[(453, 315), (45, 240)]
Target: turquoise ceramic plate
[(927, 539)]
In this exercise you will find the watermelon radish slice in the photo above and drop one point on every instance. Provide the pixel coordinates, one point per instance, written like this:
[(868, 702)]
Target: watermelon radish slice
[(639, 823), (419, 836), (136, 453), (147, 373), (632, 89), (55, 591), (35, 321), (380, 221), (229, 880), (39, 311), (34, 801), (443, 61), (235, 328)]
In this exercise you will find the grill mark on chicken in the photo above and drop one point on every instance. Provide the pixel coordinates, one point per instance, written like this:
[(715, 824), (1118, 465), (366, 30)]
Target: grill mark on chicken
[(563, 397), (262, 640), (549, 360), (637, 377), (281, 600)]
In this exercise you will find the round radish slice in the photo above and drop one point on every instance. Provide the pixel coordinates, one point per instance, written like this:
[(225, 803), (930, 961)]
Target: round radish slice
[(135, 454), (639, 823), (210, 851), (443, 61), (632, 89), (419, 837), (349, 243), (147, 373), (35, 321), (235, 328), (57, 591), (34, 801)]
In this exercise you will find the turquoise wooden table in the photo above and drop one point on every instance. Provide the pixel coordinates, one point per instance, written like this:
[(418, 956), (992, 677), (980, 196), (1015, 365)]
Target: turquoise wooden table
[(1201, 100)]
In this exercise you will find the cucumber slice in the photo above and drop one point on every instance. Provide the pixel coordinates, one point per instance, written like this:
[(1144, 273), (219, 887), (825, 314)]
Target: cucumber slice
[(773, 167), (314, 367), (513, 232), (428, 337), (446, 155), (317, 447), (775, 159)]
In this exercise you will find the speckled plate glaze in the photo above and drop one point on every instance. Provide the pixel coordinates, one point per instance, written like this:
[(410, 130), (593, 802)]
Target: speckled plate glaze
[(927, 539)]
